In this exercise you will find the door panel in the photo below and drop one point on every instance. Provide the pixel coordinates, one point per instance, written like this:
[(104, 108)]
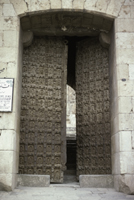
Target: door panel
[(43, 108), (92, 109)]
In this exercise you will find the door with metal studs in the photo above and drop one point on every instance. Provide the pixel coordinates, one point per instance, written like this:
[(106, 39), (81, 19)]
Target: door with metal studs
[(43, 108), (92, 109)]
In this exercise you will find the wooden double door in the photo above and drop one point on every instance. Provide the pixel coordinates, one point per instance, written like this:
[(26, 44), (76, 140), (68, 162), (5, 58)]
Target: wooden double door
[(43, 108)]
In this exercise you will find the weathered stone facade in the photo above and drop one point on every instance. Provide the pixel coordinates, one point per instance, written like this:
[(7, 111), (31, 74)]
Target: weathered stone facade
[(121, 64)]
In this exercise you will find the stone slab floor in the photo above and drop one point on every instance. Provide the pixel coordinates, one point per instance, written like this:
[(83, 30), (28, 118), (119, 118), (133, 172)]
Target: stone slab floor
[(63, 192)]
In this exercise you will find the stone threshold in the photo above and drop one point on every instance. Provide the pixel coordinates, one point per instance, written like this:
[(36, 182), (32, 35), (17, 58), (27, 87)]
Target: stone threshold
[(85, 181), (33, 180), (96, 181)]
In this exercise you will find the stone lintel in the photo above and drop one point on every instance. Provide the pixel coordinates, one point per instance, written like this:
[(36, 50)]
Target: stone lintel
[(34, 180), (96, 181)]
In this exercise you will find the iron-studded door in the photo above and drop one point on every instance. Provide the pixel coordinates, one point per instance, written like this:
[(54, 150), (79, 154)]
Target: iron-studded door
[(43, 108), (92, 109)]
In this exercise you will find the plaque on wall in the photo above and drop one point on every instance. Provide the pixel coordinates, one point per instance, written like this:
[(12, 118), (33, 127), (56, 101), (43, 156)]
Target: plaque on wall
[(6, 94)]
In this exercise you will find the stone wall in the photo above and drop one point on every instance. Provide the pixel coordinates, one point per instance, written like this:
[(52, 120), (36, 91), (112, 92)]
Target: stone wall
[(122, 80), (121, 69), (10, 67)]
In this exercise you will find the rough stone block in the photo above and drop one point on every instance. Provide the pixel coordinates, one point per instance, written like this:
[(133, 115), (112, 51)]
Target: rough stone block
[(125, 183), (78, 4), (125, 122), (3, 69), (67, 4), (125, 141), (55, 4), (7, 121), (8, 162), (1, 10), (8, 10), (8, 140), (11, 70), (125, 105), (132, 11), (132, 99), (97, 181), (124, 56), (9, 23), (10, 39), (114, 7), (125, 88), (1, 39), (36, 5), (20, 6), (102, 5), (4, 1), (122, 71), (124, 40), (131, 71), (96, 5), (124, 25), (128, 2), (132, 139), (90, 5), (1, 24), (7, 54), (127, 162), (125, 12), (34, 180), (8, 181)]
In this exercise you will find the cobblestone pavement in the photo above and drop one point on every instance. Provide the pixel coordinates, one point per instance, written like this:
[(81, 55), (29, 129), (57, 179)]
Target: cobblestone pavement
[(63, 192)]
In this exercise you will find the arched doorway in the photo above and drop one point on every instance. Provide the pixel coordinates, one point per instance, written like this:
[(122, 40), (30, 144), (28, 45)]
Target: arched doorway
[(89, 78)]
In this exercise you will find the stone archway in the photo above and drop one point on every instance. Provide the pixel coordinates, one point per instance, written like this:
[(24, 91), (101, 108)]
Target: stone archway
[(60, 24)]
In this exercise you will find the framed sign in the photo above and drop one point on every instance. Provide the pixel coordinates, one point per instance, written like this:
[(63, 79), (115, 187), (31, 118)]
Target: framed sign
[(6, 94)]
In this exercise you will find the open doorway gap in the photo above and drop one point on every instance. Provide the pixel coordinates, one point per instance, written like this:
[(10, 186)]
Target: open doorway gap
[(71, 148)]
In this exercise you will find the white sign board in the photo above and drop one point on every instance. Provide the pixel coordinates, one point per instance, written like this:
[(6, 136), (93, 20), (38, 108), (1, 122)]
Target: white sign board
[(6, 94)]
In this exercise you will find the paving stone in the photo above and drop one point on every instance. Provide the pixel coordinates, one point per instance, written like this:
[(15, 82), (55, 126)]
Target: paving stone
[(63, 193)]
